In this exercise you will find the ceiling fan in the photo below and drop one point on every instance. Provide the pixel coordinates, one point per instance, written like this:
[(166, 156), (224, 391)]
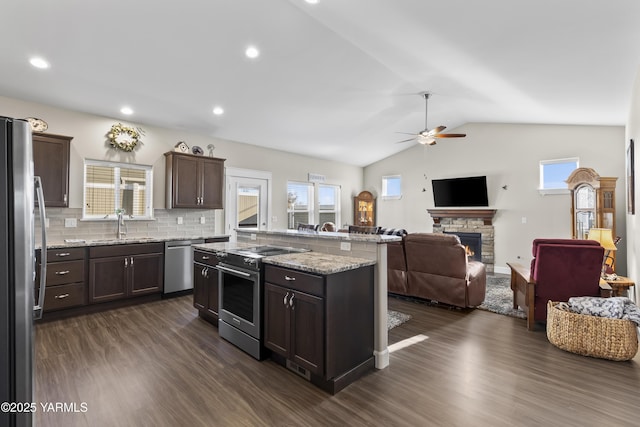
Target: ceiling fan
[(427, 136)]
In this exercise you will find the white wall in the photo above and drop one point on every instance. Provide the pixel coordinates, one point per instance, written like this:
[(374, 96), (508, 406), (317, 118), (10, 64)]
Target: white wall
[(508, 154), (633, 221), (89, 141)]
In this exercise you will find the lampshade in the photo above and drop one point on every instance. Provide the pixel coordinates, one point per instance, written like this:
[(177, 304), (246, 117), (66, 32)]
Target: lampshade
[(604, 236)]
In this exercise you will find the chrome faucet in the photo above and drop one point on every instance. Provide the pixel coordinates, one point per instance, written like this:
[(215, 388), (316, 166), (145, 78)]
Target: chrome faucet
[(122, 227)]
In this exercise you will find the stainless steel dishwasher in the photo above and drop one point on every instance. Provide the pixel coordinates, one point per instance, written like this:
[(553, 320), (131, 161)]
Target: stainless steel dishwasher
[(178, 265)]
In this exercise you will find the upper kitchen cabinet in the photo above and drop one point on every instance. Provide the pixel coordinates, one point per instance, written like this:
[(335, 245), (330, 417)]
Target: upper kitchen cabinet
[(193, 181), (51, 164)]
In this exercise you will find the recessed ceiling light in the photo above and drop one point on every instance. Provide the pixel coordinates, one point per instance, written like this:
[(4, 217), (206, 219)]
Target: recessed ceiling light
[(218, 111), (312, 1), (39, 63), (126, 110), (252, 52)]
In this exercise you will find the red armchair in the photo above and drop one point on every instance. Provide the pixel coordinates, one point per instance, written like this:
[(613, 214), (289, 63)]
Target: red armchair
[(560, 269)]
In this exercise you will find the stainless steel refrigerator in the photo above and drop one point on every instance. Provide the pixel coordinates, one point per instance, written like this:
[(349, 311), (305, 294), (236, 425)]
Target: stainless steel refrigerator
[(18, 308)]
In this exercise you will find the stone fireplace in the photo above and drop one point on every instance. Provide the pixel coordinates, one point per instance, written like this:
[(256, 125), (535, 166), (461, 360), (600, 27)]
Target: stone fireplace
[(471, 241), (467, 222)]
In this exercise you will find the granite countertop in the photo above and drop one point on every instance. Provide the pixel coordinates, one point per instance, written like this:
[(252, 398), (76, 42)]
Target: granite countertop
[(353, 237), (222, 246), (79, 243), (318, 262)]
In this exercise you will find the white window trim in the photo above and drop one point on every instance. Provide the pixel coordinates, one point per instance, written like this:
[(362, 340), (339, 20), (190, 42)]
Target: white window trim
[(314, 208), (117, 165), (395, 197), (554, 191)]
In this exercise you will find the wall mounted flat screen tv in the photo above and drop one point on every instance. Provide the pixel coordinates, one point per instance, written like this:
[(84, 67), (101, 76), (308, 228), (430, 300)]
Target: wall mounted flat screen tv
[(460, 192)]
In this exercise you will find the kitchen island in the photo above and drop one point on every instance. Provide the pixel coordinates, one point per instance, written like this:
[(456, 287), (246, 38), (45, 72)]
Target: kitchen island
[(318, 316), (368, 246)]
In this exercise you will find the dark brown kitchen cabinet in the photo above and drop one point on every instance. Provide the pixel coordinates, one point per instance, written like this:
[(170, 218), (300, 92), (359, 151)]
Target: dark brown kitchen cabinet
[(65, 280), (294, 326), (321, 326), (205, 285), (125, 271), (194, 182), (51, 164)]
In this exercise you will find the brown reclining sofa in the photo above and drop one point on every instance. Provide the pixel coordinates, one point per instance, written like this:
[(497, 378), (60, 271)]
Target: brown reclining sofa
[(435, 267)]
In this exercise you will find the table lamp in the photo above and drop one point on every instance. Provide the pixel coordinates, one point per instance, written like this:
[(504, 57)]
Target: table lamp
[(605, 238)]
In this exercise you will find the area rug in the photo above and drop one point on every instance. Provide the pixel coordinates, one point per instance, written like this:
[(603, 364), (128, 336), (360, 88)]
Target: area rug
[(499, 298), (395, 318)]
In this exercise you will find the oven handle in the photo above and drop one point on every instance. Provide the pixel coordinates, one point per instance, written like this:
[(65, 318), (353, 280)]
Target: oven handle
[(232, 271)]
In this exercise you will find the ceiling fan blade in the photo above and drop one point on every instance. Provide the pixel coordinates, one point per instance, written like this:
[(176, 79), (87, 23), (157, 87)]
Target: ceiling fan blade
[(407, 133), (438, 129), (450, 135), (405, 140)]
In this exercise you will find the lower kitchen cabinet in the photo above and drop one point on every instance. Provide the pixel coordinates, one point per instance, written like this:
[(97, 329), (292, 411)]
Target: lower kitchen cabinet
[(294, 326), (125, 271), (205, 285), (320, 326), (65, 278)]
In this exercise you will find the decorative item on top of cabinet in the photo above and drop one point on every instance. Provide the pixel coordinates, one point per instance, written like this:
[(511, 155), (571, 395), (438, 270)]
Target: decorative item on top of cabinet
[(194, 182), (37, 125), (51, 164), (593, 202), (364, 209), (181, 147)]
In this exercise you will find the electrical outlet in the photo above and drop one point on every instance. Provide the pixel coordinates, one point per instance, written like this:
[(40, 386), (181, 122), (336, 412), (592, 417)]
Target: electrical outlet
[(524, 219), (70, 222), (180, 220), (345, 246), (46, 223), (253, 236), (274, 219), (202, 220)]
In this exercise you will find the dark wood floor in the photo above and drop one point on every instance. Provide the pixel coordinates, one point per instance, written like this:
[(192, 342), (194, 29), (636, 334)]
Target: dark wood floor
[(158, 364)]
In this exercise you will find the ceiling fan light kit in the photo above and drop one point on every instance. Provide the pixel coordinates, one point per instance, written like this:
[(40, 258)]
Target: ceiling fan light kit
[(428, 136)]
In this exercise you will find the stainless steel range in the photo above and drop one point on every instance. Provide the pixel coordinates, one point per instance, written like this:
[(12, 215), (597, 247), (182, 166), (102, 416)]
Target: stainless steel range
[(241, 293)]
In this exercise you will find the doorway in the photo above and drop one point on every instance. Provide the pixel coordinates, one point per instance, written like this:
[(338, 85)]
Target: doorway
[(248, 200)]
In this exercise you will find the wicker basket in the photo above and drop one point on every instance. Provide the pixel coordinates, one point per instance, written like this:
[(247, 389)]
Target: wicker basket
[(613, 339)]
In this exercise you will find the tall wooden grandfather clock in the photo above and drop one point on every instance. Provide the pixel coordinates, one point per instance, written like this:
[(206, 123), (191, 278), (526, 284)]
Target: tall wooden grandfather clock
[(593, 202)]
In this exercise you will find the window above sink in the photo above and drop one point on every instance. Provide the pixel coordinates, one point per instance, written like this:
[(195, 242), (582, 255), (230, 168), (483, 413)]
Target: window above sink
[(111, 186)]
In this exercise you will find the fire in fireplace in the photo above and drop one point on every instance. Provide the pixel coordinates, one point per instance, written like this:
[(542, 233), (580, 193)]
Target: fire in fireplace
[(472, 242)]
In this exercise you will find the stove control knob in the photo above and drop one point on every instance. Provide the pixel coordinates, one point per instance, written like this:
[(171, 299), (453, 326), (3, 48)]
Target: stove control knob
[(221, 255), (250, 261)]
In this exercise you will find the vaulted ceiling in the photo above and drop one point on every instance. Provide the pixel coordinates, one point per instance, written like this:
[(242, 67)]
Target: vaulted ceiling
[(336, 79)]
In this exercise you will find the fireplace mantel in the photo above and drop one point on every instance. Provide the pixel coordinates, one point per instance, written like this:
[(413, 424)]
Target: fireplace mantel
[(485, 214)]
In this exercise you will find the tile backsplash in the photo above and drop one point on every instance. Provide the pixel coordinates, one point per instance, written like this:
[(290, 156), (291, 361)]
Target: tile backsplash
[(164, 224)]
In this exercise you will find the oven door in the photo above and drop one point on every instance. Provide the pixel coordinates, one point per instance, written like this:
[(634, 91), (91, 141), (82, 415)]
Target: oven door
[(239, 295)]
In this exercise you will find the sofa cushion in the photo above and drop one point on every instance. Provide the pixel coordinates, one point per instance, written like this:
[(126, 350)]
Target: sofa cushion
[(435, 253)]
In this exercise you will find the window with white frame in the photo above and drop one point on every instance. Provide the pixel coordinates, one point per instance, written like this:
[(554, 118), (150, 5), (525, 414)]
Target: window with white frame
[(299, 203), (310, 203), (391, 187), (328, 204), (111, 186), (554, 173)]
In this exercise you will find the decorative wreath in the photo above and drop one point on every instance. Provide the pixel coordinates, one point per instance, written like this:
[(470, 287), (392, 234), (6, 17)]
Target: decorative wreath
[(123, 137)]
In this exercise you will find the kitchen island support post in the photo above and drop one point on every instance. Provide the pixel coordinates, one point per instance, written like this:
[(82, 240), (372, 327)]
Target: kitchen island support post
[(380, 342)]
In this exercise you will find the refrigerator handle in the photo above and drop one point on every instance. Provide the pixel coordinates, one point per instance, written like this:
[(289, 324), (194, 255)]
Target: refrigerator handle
[(37, 310)]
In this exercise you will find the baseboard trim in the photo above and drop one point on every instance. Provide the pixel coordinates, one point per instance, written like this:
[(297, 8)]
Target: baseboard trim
[(501, 270)]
